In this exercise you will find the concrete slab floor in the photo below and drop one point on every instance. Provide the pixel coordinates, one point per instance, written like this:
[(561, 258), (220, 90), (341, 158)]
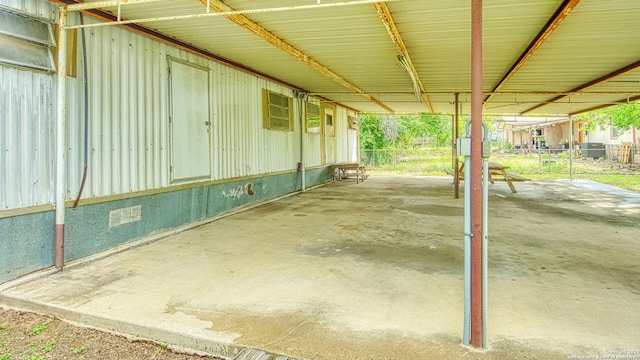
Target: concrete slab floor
[(374, 271)]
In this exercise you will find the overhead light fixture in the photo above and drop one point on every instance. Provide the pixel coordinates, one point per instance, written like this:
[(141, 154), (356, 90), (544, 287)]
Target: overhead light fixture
[(416, 87)]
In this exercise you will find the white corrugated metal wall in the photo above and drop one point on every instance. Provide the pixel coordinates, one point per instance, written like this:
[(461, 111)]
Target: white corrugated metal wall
[(26, 138), (128, 120), (312, 155), (241, 147), (128, 94), (26, 125), (128, 142)]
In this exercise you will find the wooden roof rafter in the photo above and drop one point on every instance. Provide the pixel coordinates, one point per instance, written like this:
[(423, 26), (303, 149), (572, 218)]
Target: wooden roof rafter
[(558, 17), (396, 38), (253, 27)]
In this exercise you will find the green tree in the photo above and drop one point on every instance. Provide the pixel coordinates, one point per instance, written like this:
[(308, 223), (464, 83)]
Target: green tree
[(371, 135), (405, 131), (622, 116), (438, 127)]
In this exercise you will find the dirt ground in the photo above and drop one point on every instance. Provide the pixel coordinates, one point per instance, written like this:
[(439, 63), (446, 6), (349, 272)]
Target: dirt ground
[(26, 335)]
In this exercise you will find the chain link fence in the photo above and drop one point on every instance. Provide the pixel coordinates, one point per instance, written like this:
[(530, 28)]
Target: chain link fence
[(604, 159)]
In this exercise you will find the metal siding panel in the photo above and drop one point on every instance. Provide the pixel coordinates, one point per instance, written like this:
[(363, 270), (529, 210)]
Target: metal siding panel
[(241, 146), (26, 138), (74, 139), (40, 8), (312, 150), (127, 118)]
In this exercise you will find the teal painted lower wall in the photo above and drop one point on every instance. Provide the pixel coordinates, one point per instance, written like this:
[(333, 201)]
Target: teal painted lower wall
[(27, 241), (26, 244), (317, 176)]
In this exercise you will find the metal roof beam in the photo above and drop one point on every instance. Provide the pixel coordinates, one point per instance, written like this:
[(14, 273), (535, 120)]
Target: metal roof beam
[(243, 21), (396, 38), (558, 17), (595, 82), (106, 4), (619, 102), (119, 3)]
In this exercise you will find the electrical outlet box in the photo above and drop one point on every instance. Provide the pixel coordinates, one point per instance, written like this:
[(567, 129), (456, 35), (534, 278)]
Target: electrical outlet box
[(464, 146)]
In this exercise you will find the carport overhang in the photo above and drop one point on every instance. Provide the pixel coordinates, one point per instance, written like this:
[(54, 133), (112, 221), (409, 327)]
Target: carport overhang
[(539, 57), (401, 56)]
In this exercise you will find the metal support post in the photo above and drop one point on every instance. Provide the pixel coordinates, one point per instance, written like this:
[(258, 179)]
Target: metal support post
[(61, 138), (476, 173)]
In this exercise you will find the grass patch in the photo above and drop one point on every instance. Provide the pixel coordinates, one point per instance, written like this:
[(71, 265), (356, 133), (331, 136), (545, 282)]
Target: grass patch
[(39, 329), (550, 165)]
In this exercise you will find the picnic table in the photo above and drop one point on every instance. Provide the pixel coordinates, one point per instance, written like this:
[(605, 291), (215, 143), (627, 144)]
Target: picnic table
[(343, 167), (497, 172)]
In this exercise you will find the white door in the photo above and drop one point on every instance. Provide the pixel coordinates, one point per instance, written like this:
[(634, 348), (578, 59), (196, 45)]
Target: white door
[(328, 121), (189, 121)]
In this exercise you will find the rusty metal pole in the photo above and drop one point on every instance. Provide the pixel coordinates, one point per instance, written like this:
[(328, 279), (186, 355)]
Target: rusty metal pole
[(476, 173), (456, 118)]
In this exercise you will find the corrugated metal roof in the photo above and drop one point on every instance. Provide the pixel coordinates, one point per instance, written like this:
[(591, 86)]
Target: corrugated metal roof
[(596, 38)]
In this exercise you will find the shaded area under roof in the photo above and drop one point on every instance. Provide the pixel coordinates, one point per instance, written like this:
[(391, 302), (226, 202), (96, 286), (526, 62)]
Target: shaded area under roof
[(540, 56)]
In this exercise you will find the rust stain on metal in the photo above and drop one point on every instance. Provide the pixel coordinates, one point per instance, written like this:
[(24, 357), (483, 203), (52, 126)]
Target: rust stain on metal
[(274, 40), (558, 17), (396, 38)]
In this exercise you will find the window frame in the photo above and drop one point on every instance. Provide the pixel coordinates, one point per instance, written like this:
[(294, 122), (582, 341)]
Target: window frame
[(315, 120), (616, 132), (268, 106), (28, 41)]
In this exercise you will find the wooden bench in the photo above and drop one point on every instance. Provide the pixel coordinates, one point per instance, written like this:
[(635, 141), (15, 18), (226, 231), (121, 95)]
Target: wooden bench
[(497, 172), (342, 170)]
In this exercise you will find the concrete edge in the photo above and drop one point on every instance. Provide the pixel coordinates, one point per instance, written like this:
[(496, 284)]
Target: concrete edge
[(194, 344), (124, 328)]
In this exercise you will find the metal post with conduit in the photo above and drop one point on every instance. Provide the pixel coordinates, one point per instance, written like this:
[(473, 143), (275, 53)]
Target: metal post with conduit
[(61, 138), (465, 149), (476, 174), (454, 143)]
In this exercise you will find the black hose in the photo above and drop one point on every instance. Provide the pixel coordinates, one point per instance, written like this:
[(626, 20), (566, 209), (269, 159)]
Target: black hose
[(86, 114)]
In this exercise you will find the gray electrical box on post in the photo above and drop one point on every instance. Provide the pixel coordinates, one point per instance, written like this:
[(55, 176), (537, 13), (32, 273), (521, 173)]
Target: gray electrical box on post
[(464, 146)]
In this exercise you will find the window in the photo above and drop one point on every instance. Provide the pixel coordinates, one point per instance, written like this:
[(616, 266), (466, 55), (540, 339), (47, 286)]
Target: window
[(26, 41), (329, 118), (277, 111), (616, 132), (313, 118)]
